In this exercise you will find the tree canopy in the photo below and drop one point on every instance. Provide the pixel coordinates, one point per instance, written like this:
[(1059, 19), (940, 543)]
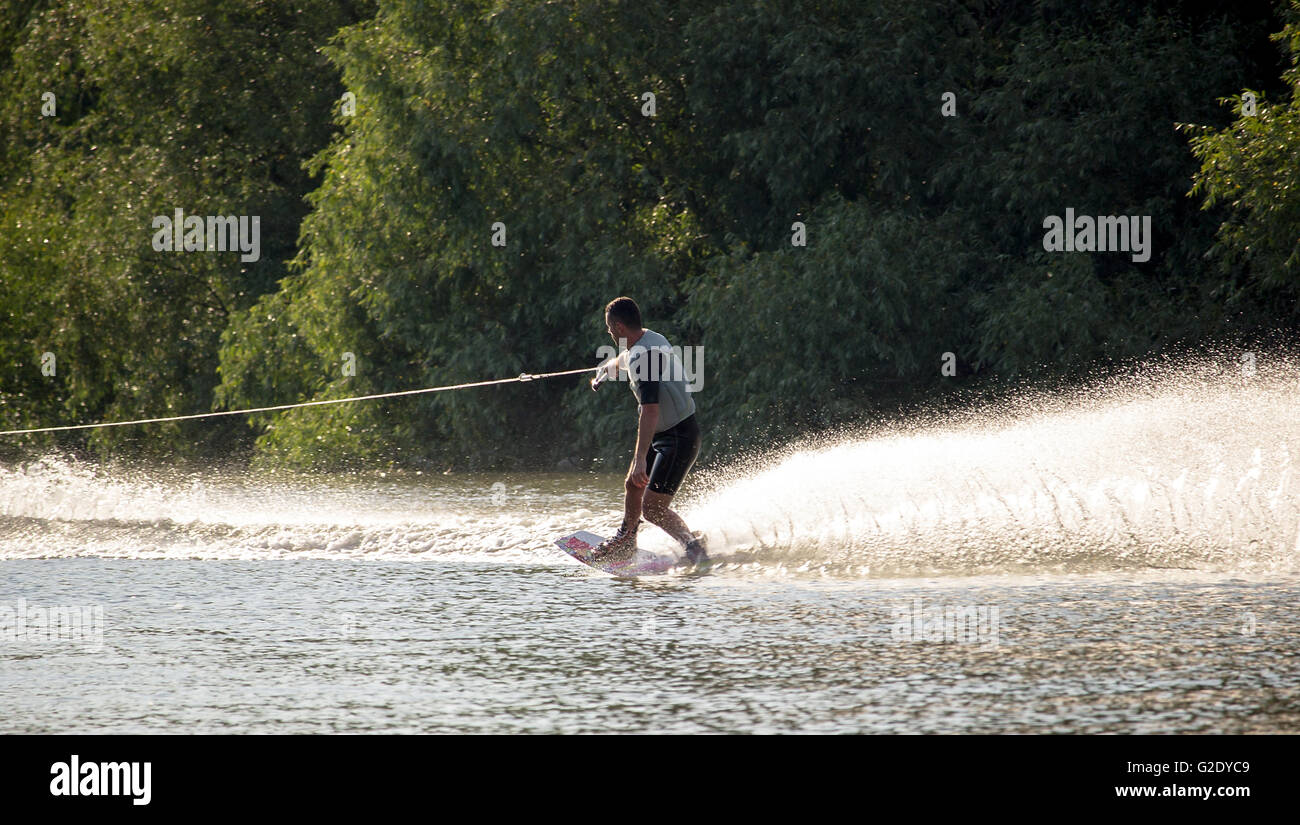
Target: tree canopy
[(497, 171)]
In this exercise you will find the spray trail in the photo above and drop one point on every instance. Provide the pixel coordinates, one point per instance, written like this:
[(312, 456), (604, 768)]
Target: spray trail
[(1188, 469)]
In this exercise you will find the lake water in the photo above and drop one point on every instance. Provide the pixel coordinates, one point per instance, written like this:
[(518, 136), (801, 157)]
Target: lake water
[(1122, 563)]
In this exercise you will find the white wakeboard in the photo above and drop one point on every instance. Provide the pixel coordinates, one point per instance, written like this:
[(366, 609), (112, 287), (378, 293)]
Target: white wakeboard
[(645, 563)]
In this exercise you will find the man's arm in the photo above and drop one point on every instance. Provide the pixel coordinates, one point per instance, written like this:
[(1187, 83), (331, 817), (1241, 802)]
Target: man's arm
[(647, 418), (647, 396), (607, 370)]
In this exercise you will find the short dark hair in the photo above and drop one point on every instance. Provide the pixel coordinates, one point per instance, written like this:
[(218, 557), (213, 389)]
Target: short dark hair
[(624, 310)]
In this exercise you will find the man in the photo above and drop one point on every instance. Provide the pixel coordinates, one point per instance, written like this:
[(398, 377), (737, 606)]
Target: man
[(667, 437)]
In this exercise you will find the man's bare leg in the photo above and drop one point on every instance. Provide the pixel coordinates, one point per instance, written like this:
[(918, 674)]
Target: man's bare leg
[(632, 496), (658, 514), (623, 542)]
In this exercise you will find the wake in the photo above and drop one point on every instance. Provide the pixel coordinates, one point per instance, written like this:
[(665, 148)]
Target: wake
[(1188, 467)]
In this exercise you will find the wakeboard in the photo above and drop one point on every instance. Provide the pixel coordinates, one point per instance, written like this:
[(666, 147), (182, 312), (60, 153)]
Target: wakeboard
[(645, 563)]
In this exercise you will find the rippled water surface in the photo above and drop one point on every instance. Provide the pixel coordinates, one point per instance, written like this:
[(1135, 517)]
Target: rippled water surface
[(1122, 562), (361, 646)]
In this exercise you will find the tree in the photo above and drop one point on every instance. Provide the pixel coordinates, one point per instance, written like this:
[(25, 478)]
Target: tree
[(1252, 168)]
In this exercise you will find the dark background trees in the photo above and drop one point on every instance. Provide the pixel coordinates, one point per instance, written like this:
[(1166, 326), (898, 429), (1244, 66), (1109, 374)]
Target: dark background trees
[(924, 232)]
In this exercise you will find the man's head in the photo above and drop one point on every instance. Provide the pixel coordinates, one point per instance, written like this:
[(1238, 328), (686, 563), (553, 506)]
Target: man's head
[(623, 319)]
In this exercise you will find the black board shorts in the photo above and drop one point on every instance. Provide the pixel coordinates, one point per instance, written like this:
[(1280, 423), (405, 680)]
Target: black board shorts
[(671, 454)]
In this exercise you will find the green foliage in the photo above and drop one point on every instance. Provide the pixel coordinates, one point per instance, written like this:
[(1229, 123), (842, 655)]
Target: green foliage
[(205, 107), (1253, 168), (484, 125), (924, 232), (808, 336)]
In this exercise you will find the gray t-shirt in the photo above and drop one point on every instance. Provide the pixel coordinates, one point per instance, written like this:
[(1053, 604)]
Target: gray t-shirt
[(656, 376)]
